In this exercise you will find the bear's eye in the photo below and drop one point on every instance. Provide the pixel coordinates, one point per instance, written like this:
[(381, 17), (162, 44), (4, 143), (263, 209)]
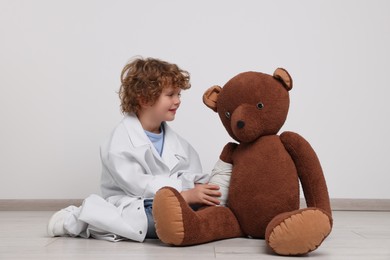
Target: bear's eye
[(260, 105), (227, 114)]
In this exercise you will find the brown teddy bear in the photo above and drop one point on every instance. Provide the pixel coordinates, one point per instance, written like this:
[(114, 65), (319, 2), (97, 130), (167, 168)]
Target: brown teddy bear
[(263, 199)]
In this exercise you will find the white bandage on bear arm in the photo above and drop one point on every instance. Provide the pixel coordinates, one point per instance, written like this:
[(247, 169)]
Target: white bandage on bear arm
[(220, 176)]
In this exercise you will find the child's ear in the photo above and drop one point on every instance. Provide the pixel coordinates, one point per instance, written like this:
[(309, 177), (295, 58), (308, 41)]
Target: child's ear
[(143, 102), (210, 97)]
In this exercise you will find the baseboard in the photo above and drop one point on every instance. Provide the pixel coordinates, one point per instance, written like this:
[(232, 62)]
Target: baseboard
[(37, 204), (57, 204), (361, 204)]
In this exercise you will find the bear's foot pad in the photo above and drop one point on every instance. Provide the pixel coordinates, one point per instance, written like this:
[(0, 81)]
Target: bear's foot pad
[(300, 233), (168, 217)]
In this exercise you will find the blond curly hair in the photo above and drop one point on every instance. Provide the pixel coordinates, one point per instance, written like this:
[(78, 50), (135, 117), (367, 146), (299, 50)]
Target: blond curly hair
[(142, 80)]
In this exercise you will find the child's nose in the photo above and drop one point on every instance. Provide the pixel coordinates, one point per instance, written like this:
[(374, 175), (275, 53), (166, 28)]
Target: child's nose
[(177, 100)]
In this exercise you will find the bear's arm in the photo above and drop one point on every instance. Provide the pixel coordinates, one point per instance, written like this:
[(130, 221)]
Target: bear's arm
[(227, 152), (309, 170)]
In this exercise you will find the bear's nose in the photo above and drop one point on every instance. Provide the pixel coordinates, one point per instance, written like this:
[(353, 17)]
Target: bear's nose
[(240, 124)]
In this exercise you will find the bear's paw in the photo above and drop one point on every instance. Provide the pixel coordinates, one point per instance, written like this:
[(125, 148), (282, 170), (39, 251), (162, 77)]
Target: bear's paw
[(300, 233)]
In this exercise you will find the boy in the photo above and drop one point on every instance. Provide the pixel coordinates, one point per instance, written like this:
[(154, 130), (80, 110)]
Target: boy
[(142, 155)]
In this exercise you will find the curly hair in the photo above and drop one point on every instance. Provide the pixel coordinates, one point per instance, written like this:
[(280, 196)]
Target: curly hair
[(142, 80)]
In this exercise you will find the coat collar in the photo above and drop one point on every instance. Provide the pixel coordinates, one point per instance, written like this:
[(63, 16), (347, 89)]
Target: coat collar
[(172, 149)]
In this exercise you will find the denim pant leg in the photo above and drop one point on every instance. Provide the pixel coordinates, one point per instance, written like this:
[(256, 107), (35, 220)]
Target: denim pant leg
[(148, 203)]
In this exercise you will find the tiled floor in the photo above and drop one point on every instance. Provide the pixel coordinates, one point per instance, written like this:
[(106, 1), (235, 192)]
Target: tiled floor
[(356, 235)]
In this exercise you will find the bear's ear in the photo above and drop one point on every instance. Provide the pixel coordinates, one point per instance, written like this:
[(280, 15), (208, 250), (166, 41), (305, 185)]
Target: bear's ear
[(283, 76), (210, 97)]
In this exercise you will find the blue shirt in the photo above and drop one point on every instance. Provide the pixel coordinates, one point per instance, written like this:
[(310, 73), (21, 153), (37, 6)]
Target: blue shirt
[(157, 140)]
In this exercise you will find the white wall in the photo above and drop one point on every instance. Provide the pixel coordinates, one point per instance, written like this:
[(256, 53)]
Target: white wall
[(60, 63)]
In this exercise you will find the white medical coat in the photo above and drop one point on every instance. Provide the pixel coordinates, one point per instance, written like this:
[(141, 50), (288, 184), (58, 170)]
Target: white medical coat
[(133, 171)]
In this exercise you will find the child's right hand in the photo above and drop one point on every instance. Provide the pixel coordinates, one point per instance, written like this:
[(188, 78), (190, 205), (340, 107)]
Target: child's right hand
[(206, 194)]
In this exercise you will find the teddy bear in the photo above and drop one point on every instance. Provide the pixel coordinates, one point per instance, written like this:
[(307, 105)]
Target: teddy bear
[(267, 167)]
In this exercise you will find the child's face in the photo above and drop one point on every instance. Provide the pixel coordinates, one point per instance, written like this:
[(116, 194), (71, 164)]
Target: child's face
[(166, 105)]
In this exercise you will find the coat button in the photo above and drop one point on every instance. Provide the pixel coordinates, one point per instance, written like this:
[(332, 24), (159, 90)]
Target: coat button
[(139, 208), (140, 232)]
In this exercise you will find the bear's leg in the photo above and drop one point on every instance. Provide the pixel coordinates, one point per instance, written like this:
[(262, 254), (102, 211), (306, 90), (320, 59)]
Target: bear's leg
[(177, 224), (298, 232)]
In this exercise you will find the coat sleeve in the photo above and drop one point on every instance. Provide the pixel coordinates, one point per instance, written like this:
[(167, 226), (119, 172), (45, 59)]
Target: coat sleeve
[(190, 169)]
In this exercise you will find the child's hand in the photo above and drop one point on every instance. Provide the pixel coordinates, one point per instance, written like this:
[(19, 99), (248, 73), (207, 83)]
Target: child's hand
[(202, 194)]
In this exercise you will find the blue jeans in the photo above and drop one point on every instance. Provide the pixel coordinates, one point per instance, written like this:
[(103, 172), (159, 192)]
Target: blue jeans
[(148, 204), (151, 233)]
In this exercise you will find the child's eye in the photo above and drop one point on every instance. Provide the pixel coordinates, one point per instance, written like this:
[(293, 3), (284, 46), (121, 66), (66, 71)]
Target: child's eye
[(174, 94)]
